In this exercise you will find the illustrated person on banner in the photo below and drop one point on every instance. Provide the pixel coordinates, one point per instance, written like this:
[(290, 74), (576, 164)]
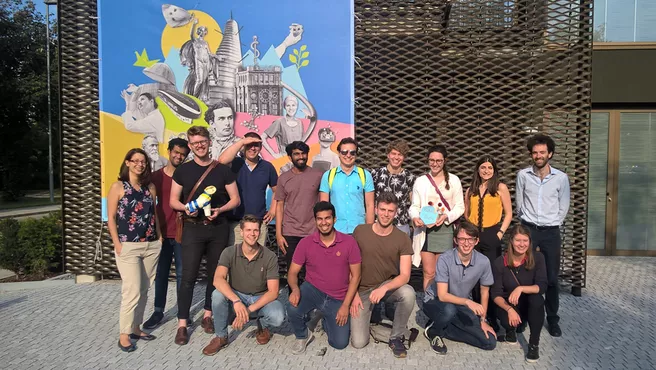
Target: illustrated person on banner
[(151, 146), (152, 121), (221, 118), (326, 159), (196, 55)]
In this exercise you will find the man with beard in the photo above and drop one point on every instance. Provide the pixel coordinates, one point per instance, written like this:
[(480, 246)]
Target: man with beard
[(386, 264), (397, 180), (221, 118), (202, 235), (163, 178), (451, 312), (150, 145), (296, 194), (332, 261), (150, 122), (542, 199), (254, 176)]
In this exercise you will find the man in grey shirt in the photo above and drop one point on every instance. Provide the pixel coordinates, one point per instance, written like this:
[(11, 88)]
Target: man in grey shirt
[(542, 198), (448, 303), (246, 282)]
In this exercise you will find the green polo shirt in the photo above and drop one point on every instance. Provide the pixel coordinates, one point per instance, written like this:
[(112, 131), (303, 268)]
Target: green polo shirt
[(249, 277)]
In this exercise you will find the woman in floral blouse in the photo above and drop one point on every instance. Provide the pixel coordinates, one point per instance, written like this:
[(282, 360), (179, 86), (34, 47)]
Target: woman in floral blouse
[(134, 229)]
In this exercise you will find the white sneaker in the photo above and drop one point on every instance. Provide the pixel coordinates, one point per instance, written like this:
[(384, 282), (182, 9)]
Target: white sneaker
[(301, 344)]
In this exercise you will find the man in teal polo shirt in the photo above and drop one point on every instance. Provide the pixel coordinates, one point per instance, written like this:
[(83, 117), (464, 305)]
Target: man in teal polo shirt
[(349, 188)]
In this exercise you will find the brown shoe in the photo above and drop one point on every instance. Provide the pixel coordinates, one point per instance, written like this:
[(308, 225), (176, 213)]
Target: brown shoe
[(263, 336), (208, 325), (215, 346), (182, 337)]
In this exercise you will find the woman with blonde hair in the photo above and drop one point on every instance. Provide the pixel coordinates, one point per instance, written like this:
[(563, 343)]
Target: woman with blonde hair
[(134, 228), (520, 279)]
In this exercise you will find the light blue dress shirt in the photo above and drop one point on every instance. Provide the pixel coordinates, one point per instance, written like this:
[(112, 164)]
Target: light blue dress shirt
[(347, 195), (542, 202)]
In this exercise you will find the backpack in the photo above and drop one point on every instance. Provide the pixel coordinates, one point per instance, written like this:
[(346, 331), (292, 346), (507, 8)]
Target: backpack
[(333, 172)]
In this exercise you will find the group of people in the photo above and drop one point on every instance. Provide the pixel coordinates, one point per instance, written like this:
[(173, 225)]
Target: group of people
[(349, 236)]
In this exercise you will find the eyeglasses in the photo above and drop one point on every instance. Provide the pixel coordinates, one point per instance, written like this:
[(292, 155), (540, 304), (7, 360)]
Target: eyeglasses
[(143, 163), (466, 240), (199, 143), (436, 161), (352, 153), (254, 145)]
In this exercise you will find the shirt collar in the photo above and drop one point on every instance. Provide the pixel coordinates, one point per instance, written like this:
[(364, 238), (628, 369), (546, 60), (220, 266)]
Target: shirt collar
[(240, 252), (552, 171), (355, 169), (339, 237)]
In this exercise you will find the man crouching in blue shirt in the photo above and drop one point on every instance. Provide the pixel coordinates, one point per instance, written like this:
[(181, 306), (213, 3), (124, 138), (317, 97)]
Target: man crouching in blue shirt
[(452, 313)]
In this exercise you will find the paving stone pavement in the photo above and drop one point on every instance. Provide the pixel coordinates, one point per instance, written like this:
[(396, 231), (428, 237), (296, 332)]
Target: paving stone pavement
[(76, 327)]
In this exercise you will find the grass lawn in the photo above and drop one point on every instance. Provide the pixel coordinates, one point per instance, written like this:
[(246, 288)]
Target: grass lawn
[(34, 198)]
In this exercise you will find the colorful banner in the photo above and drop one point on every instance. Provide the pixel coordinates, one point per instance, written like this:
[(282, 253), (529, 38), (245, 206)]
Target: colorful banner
[(283, 69)]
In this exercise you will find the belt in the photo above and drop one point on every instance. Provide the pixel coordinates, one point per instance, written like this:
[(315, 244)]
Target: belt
[(534, 226), (201, 222)]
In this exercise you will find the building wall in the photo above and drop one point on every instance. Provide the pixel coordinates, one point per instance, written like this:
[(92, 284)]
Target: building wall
[(624, 77)]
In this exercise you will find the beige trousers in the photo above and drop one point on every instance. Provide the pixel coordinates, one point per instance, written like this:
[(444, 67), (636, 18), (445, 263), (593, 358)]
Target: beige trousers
[(137, 265), (235, 234)]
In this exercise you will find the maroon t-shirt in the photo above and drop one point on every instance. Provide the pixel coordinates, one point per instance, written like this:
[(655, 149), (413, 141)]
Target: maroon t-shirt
[(300, 192), (328, 267), (165, 213)]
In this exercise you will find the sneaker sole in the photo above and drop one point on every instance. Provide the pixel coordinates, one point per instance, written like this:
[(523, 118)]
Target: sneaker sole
[(531, 361), (404, 355), (309, 340)]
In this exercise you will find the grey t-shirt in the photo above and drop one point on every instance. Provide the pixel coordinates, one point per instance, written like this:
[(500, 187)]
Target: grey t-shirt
[(461, 279), (300, 192), (249, 277)]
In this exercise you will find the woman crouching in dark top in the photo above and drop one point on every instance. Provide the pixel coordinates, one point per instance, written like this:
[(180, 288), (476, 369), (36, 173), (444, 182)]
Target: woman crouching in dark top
[(520, 279)]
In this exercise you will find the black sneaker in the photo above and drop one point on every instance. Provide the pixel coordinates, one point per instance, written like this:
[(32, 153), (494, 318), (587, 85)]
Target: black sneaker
[(154, 320), (437, 345), (511, 336), (554, 330), (398, 348), (533, 353)]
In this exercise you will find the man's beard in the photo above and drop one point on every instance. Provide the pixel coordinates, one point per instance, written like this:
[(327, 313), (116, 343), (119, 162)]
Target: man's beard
[(328, 233), (300, 167), (544, 164)]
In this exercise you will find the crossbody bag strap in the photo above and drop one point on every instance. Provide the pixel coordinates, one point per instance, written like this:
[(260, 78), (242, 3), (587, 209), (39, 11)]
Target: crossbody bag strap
[(207, 171), (430, 178)]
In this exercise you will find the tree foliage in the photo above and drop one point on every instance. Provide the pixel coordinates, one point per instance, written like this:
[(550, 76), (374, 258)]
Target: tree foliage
[(23, 98)]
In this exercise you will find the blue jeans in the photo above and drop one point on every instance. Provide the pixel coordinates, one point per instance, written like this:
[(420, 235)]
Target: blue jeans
[(271, 315), (312, 298), (170, 248), (457, 323)]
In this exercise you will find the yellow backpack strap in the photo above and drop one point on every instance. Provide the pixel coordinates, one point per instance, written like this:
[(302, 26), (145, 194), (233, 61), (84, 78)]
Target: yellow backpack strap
[(362, 177), (331, 177)]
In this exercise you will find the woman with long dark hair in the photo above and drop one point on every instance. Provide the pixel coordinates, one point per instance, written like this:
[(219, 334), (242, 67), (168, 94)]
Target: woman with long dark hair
[(134, 228), (442, 191), (487, 203), (520, 279)]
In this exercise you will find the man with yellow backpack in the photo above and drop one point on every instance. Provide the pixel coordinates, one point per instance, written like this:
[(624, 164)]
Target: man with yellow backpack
[(349, 188)]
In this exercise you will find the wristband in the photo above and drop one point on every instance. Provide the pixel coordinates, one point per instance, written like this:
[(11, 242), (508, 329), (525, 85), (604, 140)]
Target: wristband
[(236, 301)]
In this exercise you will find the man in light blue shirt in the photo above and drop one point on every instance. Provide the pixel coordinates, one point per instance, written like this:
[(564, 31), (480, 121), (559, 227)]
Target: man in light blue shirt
[(542, 197), (349, 188)]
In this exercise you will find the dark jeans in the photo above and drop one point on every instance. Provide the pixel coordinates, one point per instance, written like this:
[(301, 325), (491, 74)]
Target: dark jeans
[(292, 242), (549, 242), (200, 240), (170, 250), (530, 308), (490, 245), (312, 298), (457, 323)]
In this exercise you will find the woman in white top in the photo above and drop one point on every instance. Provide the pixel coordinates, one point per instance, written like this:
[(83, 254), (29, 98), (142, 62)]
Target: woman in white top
[(430, 240)]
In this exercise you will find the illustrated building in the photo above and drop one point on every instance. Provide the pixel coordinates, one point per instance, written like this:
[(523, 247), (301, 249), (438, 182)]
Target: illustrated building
[(229, 54), (259, 89)]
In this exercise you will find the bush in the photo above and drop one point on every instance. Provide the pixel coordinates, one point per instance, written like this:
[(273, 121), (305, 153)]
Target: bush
[(31, 247)]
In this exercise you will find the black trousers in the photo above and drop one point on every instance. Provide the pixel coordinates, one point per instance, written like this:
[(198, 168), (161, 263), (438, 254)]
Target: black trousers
[(292, 242), (200, 240), (530, 308), (549, 243), (490, 245)]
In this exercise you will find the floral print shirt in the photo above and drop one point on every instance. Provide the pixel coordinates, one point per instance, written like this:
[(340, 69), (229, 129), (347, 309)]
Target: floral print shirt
[(400, 185), (135, 216)]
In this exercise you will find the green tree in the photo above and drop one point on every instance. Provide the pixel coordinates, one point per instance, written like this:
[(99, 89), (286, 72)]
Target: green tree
[(23, 98)]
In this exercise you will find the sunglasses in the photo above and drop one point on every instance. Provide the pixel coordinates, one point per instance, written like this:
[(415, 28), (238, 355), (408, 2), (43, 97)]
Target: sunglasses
[(348, 152)]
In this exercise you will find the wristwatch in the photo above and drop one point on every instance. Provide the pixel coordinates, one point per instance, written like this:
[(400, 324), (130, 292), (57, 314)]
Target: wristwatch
[(484, 319)]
